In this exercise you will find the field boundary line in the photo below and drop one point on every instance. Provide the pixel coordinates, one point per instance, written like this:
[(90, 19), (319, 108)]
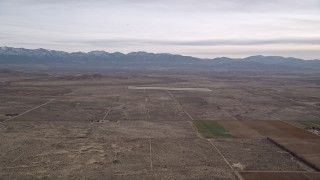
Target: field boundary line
[(28, 111), (147, 108), (296, 110), (18, 157), (110, 108), (221, 154), (90, 131), (310, 164), (299, 127), (183, 109), (275, 117), (106, 114), (238, 175), (228, 114), (150, 155), (235, 172), (281, 171), (281, 97), (196, 130), (149, 138)]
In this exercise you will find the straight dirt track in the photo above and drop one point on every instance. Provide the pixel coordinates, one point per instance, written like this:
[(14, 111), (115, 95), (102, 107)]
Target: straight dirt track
[(168, 88)]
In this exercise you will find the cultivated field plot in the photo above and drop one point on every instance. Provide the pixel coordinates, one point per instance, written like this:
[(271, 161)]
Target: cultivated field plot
[(306, 124), (307, 149), (302, 143), (239, 129), (280, 175), (279, 129), (94, 127), (212, 129), (257, 155), (311, 126)]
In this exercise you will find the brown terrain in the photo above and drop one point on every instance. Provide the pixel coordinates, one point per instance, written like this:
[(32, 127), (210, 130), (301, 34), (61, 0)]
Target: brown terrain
[(95, 127)]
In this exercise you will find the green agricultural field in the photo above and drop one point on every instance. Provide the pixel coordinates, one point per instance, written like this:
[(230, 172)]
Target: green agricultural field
[(212, 129), (306, 124)]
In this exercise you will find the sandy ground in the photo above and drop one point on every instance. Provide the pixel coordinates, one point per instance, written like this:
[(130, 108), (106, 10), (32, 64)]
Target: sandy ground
[(99, 129)]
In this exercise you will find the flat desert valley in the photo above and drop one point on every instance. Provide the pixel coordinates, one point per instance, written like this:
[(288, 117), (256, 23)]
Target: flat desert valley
[(138, 126)]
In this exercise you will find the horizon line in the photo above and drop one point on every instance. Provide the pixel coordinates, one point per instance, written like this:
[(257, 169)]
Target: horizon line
[(86, 52)]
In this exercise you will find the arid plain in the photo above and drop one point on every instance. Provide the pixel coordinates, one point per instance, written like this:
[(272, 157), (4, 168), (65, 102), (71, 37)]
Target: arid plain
[(114, 126)]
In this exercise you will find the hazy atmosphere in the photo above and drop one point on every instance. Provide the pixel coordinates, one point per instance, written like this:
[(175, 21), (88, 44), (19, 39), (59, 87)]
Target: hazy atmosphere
[(160, 89), (201, 28)]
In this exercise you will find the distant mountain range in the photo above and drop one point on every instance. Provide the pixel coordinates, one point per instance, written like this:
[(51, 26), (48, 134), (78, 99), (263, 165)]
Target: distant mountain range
[(20, 57)]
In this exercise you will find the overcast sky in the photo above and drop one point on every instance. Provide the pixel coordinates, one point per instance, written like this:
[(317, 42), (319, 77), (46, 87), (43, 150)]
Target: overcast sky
[(201, 28)]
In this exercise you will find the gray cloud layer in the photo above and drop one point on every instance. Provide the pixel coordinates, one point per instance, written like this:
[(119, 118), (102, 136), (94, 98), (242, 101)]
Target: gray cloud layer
[(110, 42), (195, 26)]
